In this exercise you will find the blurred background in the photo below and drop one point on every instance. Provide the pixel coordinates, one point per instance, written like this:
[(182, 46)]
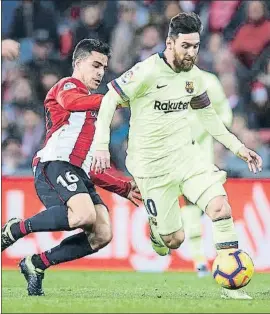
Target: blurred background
[(234, 46)]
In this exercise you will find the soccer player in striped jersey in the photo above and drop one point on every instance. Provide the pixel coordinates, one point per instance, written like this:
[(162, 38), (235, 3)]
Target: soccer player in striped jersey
[(63, 179)]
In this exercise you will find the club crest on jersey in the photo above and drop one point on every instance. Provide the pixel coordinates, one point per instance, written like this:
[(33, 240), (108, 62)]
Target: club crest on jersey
[(126, 77), (69, 85), (189, 87)]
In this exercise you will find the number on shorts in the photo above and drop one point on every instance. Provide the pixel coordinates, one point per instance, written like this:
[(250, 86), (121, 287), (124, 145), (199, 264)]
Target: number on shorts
[(151, 207), (70, 177)]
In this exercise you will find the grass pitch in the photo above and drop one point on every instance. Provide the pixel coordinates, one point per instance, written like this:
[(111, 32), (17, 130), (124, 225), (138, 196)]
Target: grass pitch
[(129, 292)]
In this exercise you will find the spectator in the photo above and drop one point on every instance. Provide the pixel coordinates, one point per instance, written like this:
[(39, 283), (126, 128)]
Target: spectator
[(11, 156), (221, 13), (151, 42), (251, 46), (260, 106), (9, 130), (254, 36), (32, 133), (11, 71), (172, 8), (229, 83), (224, 62), (24, 94), (43, 55), (10, 49), (31, 15), (49, 76), (123, 38), (91, 24), (211, 51), (44, 58)]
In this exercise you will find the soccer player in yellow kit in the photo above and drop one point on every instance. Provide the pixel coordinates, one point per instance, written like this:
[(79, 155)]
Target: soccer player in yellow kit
[(191, 214), (162, 156)]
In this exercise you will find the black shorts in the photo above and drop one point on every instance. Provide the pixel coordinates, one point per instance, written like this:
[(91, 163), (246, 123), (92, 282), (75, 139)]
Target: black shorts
[(57, 181)]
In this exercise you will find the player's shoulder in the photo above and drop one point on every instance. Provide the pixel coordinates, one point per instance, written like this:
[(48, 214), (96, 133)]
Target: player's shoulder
[(67, 83), (146, 66), (209, 75)]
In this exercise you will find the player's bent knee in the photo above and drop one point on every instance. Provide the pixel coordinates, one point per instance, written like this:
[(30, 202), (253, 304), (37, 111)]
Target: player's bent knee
[(219, 208), (81, 211), (174, 240), (102, 236)]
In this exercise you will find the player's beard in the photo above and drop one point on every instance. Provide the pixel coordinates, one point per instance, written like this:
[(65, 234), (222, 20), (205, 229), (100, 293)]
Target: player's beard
[(183, 65)]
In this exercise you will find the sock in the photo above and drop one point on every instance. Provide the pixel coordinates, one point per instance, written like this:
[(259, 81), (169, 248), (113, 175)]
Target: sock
[(191, 217), (71, 248), (52, 219), (224, 233)]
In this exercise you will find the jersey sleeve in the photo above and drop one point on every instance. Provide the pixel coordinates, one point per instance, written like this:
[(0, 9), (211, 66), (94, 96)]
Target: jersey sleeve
[(132, 83), (73, 97), (109, 182), (219, 101)]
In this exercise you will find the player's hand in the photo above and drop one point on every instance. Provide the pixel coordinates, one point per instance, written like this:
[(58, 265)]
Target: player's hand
[(253, 160), (10, 49), (101, 161), (134, 194)]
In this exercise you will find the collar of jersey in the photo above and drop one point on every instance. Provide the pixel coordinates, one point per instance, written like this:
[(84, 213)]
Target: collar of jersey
[(162, 56)]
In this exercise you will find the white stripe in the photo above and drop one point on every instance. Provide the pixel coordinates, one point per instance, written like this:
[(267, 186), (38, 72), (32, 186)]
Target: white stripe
[(62, 142)]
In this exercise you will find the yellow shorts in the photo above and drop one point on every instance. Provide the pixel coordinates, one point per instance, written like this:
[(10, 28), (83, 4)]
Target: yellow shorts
[(199, 182)]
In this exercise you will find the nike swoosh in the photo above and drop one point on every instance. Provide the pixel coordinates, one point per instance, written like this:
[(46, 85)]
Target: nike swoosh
[(161, 86)]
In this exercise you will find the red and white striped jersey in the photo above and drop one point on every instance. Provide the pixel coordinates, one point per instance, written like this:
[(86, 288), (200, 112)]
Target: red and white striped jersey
[(71, 113)]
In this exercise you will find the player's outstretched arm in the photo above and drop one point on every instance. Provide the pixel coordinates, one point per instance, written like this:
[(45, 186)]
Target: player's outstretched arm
[(216, 128), (126, 189), (74, 99), (100, 146)]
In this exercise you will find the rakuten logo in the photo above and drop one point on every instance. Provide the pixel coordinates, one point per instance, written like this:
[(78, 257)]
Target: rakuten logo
[(171, 106)]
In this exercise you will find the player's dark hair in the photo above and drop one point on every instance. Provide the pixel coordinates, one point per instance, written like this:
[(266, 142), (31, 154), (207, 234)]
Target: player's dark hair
[(86, 46), (185, 23)]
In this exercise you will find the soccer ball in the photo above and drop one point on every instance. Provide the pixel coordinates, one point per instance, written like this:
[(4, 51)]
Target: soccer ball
[(233, 269)]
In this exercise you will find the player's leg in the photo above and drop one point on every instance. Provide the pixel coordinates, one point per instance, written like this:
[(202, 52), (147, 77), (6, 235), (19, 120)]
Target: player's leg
[(61, 188), (215, 203), (89, 241), (191, 217), (78, 245), (160, 197)]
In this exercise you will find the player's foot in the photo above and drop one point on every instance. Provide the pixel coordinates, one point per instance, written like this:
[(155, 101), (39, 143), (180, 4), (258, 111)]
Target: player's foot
[(239, 294), (33, 276), (157, 245), (7, 238), (202, 270)]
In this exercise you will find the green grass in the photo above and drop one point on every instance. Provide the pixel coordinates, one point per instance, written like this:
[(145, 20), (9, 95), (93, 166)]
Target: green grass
[(129, 292)]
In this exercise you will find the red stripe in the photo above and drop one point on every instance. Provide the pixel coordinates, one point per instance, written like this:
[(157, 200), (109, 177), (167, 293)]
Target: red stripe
[(84, 141), (35, 161), (45, 259), (22, 228), (51, 185)]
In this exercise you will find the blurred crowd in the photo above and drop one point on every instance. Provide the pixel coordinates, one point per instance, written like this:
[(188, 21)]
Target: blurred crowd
[(234, 45)]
